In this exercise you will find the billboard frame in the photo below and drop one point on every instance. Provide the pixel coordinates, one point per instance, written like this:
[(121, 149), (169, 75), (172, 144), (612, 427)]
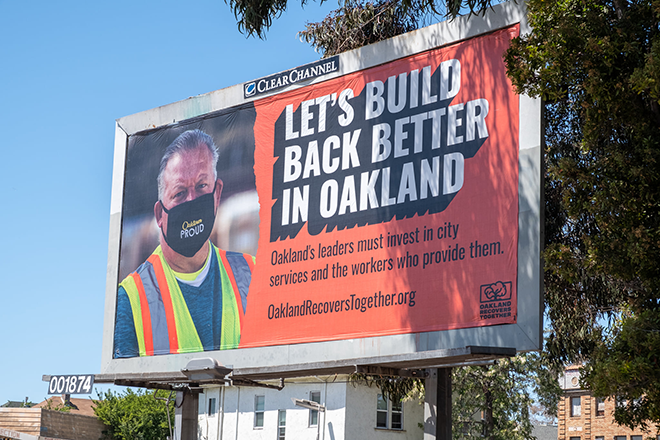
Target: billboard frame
[(412, 350)]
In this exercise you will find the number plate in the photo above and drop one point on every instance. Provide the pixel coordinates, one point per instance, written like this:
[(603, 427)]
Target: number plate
[(71, 384)]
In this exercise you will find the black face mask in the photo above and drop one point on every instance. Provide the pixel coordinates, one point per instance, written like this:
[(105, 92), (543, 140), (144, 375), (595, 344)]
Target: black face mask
[(189, 224)]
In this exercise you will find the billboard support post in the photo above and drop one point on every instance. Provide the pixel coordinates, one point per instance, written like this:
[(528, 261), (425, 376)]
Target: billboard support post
[(443, 431), (430, 404), (437, 404), (185, 415)]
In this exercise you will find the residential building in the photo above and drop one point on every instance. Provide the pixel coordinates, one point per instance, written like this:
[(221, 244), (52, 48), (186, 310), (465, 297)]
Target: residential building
[(41, 420), (352, 411), (585, 417), (16, 404), (544, 431)]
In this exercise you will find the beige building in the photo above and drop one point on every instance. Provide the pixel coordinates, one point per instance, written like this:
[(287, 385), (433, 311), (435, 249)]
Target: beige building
[(43, 422), (585, 417)]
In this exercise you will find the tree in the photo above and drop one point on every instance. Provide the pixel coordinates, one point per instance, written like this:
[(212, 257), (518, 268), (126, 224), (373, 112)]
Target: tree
[(627, 367), (361, 23), (503, 392), (53, 405), (256, 16), (395, 388), (596, 63), (134, 415)]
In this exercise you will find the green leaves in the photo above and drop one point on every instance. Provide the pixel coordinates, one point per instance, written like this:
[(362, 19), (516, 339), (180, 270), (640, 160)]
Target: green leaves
[(53, 405), (502, 394), (596, 64), (134, 415), (357, 23), (393, 388), (254, 17), (628, 367)]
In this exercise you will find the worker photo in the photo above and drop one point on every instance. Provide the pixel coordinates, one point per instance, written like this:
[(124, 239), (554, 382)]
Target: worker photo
[(189, 294)]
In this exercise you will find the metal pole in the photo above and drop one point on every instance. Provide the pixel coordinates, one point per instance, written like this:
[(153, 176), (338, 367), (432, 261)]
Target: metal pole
[(221, 417), (443, 431), (430, 404), (437, 405), (325, 403), (238, 412), (185, 415)]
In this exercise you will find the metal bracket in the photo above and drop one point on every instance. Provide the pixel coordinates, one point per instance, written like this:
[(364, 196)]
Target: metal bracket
[(242, 382), (169, 386), (377, 370)]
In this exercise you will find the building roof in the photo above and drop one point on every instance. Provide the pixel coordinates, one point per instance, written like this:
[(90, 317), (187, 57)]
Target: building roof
[(78, 406), (545, 432), (13, 404)]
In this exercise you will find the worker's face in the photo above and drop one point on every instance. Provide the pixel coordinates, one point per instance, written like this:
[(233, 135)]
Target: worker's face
[(187, 176), (190, 198)]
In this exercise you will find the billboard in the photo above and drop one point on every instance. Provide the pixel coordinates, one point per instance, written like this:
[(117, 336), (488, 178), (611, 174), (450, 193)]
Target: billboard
[(382, 202)]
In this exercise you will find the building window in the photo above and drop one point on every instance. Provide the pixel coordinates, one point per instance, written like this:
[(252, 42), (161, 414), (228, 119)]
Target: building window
[(574, 438), (211, 409), (635, 437), (381, 412), (599, 437), (576, 406), (281, 424), (397, 415), (619, 437), (259, 402), (389, 414), (600, 407), (314, 396)]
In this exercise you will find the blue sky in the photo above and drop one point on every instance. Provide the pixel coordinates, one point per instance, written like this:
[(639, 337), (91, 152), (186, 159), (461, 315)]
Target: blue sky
[(67, 71)]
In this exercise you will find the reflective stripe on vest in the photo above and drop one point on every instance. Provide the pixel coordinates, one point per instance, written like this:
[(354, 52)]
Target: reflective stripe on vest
[(163, 324)]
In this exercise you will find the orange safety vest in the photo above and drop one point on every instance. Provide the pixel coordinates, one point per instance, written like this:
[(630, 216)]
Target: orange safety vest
[(163, 324)]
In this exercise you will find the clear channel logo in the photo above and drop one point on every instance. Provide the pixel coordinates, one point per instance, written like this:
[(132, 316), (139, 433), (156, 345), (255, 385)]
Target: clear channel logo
[(250, 89), (292, 76)]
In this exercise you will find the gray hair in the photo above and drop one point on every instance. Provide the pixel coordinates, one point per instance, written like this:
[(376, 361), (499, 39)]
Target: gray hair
[(187, 141)]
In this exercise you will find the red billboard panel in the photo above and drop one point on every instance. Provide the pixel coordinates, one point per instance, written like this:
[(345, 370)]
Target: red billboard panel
[(387, 204)]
